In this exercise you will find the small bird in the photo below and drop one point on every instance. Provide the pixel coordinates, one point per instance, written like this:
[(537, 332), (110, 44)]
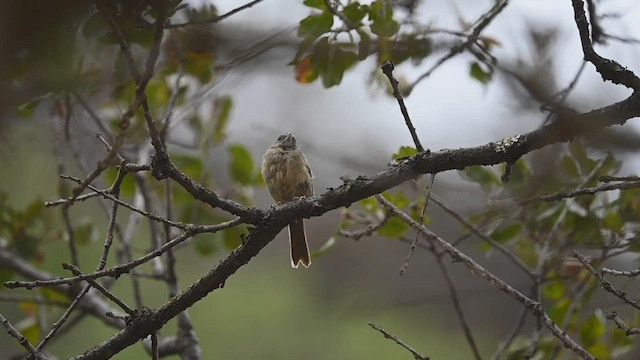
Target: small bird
[(288, 176)]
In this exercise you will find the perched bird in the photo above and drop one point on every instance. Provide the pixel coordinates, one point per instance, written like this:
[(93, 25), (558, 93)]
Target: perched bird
[(288, 176)]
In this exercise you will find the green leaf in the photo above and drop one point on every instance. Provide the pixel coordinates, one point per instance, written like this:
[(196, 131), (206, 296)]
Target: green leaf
[(205, 244), (315, 25), (612, 220), (241, 164), (222, 110), (554, 290), (199, 64), (85, 232), (477, 72), (128, 185), (507, 233), (30, 329), (398, 198), (404, 152), (569, 167), (190, 165), (480, 175), (232, 237), (385, 27), (339, 61), (355, 12), (381, 13), (317, 4), (592, 329), (369, 204), (394, 228)]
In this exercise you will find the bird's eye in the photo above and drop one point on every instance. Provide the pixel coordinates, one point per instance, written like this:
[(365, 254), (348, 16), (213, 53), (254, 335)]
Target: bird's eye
[(281, 137)]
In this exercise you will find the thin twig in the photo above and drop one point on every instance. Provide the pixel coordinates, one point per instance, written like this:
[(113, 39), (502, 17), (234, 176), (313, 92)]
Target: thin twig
[(125, 268), (606, 285), (631, 273), (76, 271), (21, 339), (405, 265), (387, 335), (387, 69), (482, 22), (586, 191), (613, 316)]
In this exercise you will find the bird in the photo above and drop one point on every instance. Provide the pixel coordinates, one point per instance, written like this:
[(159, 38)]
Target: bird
[(288, 177)]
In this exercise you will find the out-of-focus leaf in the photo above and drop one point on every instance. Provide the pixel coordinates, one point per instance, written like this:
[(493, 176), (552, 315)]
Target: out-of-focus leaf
[(592, 329), (305, 72), (223, 107), (85, 232), (554, 290), (26, 110), (6, 274), (315, 25), (317, 4), (339, 62), (527, 251), (394, 228), (28, 308), (26, 244), (364, 46), (54, 296), (158, 93), (199, 64), (480, 175), (507, 233), (355, 12), (613, 221), (404, 152), (30, 329), (324, 248), (398, 198), (128, 185), (569, 166), (381, 13), (370, 204), (477, 72), (205, 244), (558, 310), (241, 164), (190, 165)]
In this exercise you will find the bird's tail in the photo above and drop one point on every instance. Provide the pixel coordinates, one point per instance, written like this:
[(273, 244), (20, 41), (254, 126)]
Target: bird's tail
[(299, 246)]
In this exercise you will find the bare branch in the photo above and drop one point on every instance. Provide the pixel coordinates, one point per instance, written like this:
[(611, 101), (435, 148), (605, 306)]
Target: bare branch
[(613, 316), (588, 191), (606, 285), (609, 69), (21, 339), (387, 69), (386, 334)]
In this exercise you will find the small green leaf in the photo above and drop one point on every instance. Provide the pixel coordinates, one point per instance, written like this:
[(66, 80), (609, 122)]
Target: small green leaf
[(339, 61), (315, 25), (369, 204), (405, 152), (398, 198), (232, 237), (241, 164), (394, 228), (30, 329), (128, 185), (26, 110), (385, 27), (223, 107), (477, 72), (479, 175)]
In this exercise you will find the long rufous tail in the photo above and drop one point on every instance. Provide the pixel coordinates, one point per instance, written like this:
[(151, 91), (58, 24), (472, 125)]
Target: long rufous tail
[(299, 246)]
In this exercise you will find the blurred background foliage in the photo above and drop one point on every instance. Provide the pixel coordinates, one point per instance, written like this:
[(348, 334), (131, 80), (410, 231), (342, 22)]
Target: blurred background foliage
[(64, 80)]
